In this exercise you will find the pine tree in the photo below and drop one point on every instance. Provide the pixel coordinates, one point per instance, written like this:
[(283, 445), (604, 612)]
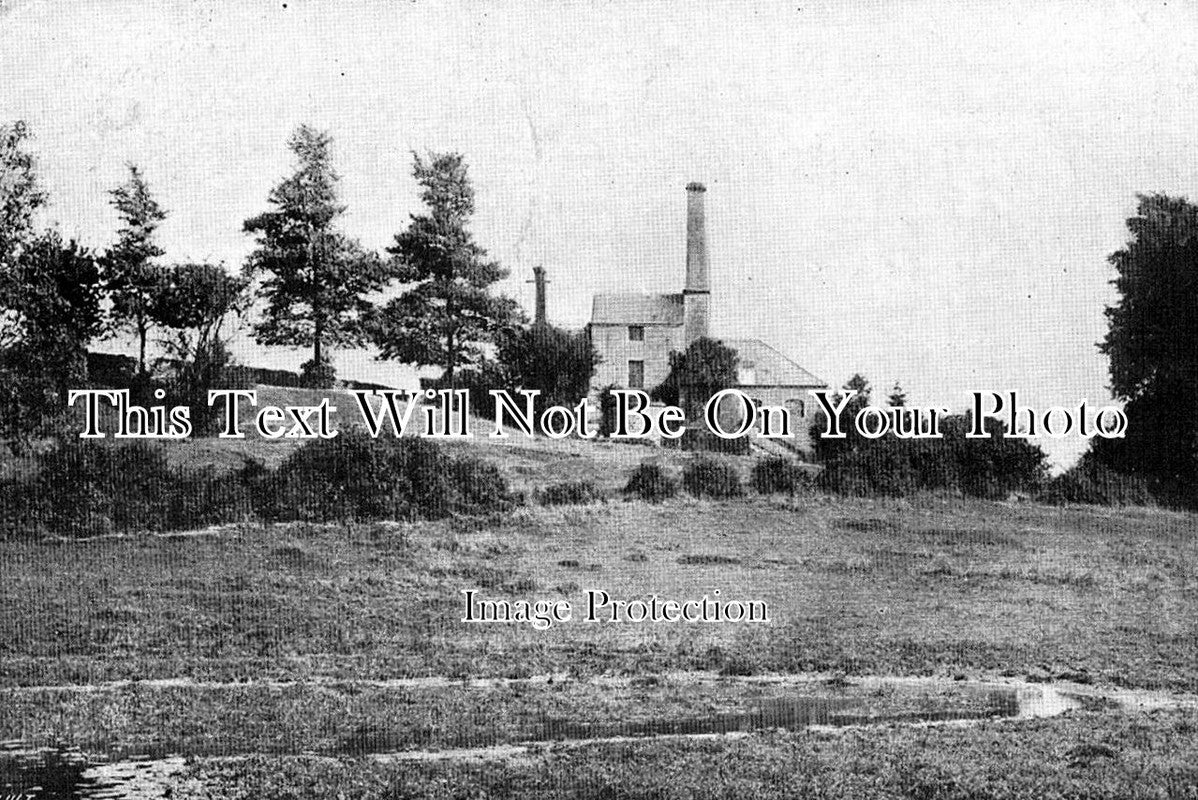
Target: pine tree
[(133, 277), (897, 398), (314, 278), (448, 315)]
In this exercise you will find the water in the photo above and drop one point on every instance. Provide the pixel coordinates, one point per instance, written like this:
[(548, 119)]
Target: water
[(66, 773)]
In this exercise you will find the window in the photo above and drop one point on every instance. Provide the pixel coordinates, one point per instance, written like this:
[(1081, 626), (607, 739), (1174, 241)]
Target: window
[(636, 374), (797, 407), (636, 333)]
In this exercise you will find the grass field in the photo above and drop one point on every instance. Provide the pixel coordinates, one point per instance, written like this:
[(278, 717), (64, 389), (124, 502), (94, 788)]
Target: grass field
[(291, 655)]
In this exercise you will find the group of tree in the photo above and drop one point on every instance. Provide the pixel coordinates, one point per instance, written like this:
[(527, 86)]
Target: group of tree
[(315, 286), (994, 467)]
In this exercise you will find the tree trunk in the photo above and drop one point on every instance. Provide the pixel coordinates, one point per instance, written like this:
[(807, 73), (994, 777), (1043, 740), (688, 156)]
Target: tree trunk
[(142, 332)]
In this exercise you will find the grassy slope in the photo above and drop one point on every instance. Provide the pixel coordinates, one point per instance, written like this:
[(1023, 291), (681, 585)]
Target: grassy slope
[(857, 586), (933, 586)]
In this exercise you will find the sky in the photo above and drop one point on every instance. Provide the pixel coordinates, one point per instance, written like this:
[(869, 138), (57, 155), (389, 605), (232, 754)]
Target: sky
[(921, 192)]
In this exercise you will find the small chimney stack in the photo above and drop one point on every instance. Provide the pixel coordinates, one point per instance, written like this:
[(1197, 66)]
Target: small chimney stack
[(696, 294), (538, 273)]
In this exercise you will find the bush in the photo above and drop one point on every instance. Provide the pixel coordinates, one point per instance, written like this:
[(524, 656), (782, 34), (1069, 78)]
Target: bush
[(90, 488), (990, 467), (778, 474), (707, 476), (570, 493), (650, 482), (1093, 483), (356, 477)]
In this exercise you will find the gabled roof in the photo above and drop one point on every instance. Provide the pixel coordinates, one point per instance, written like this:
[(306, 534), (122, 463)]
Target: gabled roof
[(767, 366), (637, 309)]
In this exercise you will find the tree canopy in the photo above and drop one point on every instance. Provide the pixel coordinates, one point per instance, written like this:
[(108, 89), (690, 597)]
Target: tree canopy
[(556, 362), (447, 315), (132, 274), (315, 279), (1152, 343), (20, 193), (705, 367)]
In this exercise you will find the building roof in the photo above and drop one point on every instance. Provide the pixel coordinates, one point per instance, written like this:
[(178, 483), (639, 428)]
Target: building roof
[(762, 365), (637, 309)]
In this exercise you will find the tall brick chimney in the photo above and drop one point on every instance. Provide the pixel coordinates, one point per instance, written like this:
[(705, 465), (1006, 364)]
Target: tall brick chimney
[(697, 293), (538, 273)]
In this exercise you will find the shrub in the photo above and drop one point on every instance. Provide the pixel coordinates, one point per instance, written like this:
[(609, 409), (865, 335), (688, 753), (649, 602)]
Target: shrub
[(650, 482), (778, 474), (478, 486), (570, 493), (708, 476), (89, 488), (1093, 483), (356, 477)]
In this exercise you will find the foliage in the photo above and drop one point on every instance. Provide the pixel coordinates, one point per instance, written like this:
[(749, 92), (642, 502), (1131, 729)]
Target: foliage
[(986, 467), (827, 448), (447, 315), (50, 296), (570, 493), (711, 476), (557, 362), (478, 381), (132, 276), (314, 278), (354, 476), (194, 301), (20, 195), (99, 487), (1152, 343), (706, 367), (90, 488), (1090, 481), (652, 483), (778, 474)]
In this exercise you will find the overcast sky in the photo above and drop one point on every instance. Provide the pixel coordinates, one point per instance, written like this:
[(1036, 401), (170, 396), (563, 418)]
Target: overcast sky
[(919, 192)]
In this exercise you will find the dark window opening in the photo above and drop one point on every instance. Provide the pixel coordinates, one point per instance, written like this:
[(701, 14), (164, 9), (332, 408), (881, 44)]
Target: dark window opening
[(636, 374)]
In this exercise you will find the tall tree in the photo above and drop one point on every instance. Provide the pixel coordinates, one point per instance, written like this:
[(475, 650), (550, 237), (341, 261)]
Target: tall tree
[(20, 194), (314, 278), (50, 298), (897, 398), (448, 314), (1152, 343), (132, 275)]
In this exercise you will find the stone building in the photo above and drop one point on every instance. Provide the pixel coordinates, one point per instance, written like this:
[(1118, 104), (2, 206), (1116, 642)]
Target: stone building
[(634, 335)]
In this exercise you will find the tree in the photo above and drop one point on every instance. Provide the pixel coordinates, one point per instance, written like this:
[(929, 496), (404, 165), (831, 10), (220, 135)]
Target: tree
[(826, 448), (897, 398), (50, 299), (132, 275), (314, 278), (1152, 343), (705, 367), (194, 301), (20, 194), (448, 315), (556, 362)]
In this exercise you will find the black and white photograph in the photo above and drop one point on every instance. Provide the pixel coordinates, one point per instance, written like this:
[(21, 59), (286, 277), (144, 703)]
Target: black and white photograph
[(598, 400)]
